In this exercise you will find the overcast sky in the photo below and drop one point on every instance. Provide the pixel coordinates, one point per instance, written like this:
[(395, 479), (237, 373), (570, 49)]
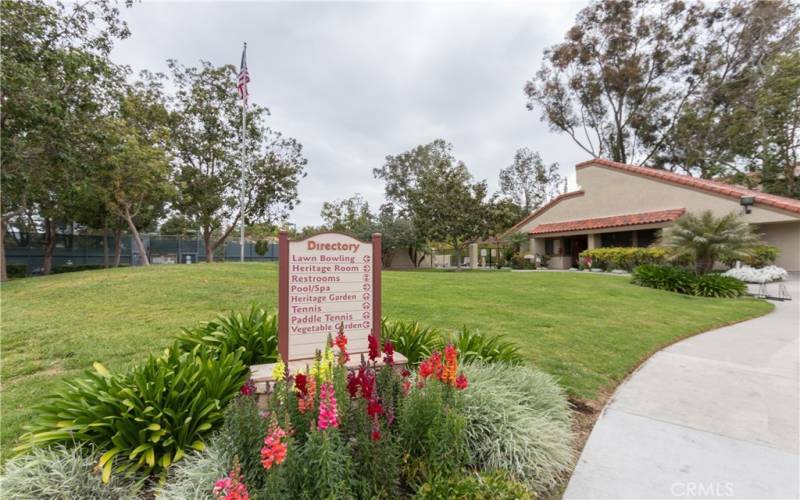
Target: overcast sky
[(354, 82)]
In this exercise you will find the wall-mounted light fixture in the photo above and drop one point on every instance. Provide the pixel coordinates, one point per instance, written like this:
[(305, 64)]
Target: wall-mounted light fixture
[(747, 203)]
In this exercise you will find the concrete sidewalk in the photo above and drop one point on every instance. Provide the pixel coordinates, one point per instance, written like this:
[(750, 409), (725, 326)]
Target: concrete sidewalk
[(713, 416)]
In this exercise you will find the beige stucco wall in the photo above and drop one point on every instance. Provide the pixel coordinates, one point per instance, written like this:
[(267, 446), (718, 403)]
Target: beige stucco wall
[(786, 236), (610, 192)]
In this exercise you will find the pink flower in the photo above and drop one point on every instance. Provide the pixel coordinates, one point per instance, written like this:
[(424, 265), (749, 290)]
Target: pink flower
[(328, 415), (274, 450), (231, 487)]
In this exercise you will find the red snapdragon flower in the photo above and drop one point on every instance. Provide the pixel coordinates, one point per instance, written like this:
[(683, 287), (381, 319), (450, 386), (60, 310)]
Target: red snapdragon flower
[(461, 382), (388, 353), (374, 348), (374, 407), (248, 388), (353, 382), (301, 384)]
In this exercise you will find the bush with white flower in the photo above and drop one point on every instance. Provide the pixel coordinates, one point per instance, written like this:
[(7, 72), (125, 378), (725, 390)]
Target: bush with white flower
[(757, 275)]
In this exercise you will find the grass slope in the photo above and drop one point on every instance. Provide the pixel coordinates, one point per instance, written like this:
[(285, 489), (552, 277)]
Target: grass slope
[(590, 331)]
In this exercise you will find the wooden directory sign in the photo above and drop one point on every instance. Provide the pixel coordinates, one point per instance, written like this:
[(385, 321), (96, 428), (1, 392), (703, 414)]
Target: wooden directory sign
[(326, 280)]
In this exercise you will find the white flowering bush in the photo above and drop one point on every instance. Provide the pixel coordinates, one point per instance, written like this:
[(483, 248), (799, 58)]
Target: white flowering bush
[(757, 275)]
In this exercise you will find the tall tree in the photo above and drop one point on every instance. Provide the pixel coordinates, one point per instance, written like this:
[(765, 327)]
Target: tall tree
[(401, 172), (348, 214), (744, 104), (447, 205), (207, 127), (528, 181), (55, 62), (655, 82)]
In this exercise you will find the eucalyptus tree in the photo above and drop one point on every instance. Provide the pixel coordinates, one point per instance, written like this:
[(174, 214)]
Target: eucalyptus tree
[(663, 83), (528, 181)]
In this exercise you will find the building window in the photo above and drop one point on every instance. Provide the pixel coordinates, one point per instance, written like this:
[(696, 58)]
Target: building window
[(647, 237), (621, 239), (567, 246), (548, 246)]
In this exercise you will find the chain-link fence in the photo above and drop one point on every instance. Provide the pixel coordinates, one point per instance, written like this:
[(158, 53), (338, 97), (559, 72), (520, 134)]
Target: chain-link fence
[(25, 251)]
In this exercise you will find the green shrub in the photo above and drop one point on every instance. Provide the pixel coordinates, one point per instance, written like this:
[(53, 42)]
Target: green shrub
[(262, 247), (432, 433), (497, 485), (518, 420), (255, 333), (518, 261), (716, 285), (474, 346), (757, 256), (676, 279), (410, 339), (624, 257), (322, 469), (63, 473), (669, 278), (146, 419), (16, 270), (242, 435)]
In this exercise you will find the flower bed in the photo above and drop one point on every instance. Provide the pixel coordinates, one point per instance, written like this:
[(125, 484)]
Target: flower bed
[(757, 275), (374, 430)]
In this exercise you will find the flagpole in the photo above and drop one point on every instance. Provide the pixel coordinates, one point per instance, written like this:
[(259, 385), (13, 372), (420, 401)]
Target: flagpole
[(241, 177)]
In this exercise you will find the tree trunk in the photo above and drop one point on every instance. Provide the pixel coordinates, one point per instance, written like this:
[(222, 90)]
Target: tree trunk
[(457, 250), (105, 246), (704, 264), (209, 248), (117, 246), (136, 237), (49, 245), (225, 235), (3, 272)]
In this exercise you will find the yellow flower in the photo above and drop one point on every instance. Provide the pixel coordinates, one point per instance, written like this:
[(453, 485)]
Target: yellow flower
[(279, 371), (323, 367)]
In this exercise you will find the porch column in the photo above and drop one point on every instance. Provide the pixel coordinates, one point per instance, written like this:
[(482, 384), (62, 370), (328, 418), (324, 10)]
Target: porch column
[(593, 241), (536, 246)]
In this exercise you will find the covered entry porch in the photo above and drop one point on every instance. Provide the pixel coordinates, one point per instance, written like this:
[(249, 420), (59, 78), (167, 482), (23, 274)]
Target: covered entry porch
[(561, 243)]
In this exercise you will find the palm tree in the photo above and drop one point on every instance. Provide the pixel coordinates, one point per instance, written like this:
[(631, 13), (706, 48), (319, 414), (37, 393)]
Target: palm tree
[(706, 238)]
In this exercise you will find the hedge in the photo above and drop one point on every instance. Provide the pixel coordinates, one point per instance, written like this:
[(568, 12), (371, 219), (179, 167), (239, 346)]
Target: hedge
[(623, 257)]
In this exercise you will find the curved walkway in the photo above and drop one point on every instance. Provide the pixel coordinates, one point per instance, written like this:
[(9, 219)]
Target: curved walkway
[(713, 416)]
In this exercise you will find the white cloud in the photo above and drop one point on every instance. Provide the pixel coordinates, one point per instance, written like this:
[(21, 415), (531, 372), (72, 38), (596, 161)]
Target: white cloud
[(354, 82)]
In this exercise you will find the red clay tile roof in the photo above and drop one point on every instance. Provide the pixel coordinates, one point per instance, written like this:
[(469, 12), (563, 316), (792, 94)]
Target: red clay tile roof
[(541, 210), (788, 204), (605, 222)]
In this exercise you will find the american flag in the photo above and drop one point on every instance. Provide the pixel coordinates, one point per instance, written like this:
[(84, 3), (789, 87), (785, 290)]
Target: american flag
[(244, 76)]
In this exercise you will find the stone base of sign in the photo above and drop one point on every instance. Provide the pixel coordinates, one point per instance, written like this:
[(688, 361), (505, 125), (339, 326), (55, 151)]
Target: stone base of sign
[(261, 375)]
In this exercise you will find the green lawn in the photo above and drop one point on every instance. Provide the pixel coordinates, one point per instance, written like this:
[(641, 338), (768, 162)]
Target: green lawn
[(590, 331)]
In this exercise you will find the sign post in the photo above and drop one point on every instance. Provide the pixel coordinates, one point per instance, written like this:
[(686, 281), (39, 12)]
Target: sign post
[(326, 280)]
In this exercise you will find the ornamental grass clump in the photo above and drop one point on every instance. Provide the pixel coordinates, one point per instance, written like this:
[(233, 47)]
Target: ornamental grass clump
[(517, 419), (64, 473)]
